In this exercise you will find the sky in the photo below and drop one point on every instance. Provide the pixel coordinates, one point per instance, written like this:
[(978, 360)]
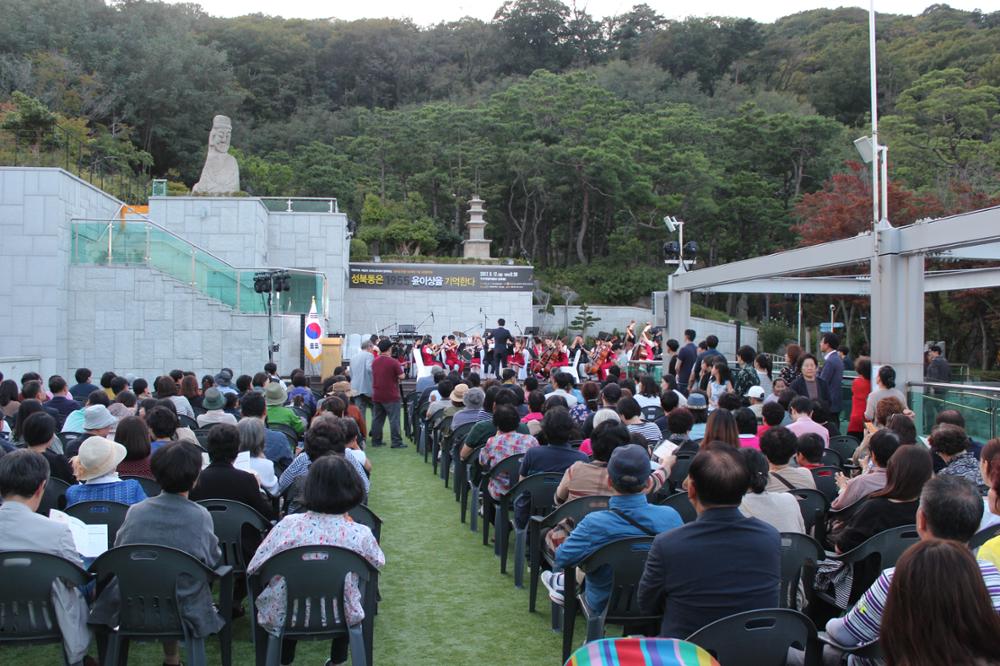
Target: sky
[(428, 12)]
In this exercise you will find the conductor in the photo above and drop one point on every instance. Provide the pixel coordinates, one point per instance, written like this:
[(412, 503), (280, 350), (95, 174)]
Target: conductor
[(500, 338)]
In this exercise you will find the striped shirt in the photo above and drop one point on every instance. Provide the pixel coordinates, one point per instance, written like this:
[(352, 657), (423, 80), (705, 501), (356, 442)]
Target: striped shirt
[(860, 626)]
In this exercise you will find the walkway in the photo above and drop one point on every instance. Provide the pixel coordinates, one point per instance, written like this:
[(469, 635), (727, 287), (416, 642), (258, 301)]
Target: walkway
[(444, 600)]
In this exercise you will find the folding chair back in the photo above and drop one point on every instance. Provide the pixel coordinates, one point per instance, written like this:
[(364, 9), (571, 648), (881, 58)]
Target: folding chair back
[(54, 496), (362, 515), (651, 413), (27, 615), (111, 514), (797, 551), (826, 481), (680, 503), (758, 637), (231, 521)]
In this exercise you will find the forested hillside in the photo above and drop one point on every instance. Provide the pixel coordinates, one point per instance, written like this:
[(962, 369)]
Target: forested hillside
[(580, 132)]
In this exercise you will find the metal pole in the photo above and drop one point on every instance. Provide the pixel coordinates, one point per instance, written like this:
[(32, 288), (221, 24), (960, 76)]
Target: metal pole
[(270, 329), (799, 334), (302, 341), (873, 66), (885, 185)]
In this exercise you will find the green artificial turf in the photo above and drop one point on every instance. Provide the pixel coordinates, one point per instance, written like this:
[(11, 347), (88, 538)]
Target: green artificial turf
[(444, 600)]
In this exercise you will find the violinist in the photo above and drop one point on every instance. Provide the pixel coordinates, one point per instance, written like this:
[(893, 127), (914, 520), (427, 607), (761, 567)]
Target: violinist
[(516, 360), (452, 361), (560, 357), (428, 353), (644, 347)]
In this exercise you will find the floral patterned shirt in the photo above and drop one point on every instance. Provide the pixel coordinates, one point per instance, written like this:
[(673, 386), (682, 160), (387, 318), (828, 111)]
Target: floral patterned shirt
[(313, 529), (498, 447)]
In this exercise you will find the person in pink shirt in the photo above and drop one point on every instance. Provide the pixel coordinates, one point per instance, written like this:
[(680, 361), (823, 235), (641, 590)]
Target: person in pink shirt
[(746, 426), (535, 401), (802, 423)]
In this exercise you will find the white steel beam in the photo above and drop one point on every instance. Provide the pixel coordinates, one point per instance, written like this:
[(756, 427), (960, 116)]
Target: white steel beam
[(969, 278), (955, 231), (844, 286), (804, 259)]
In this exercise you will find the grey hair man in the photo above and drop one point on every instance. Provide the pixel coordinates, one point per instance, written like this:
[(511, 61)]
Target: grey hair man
[(361, 377)]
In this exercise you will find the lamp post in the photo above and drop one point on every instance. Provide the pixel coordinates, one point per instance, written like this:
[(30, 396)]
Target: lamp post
[(271, 282)]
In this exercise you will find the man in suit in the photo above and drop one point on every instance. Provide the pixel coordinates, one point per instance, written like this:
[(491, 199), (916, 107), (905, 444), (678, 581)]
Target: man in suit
[(23, 477), (832, 374), (500, 337), (720, 564)]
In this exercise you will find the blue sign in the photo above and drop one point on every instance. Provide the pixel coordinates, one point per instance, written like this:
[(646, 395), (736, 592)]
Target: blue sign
[(825, 327)]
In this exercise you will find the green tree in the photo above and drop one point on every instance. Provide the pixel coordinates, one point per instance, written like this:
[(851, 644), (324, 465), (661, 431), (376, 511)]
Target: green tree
[(31, 117), (584, 319)]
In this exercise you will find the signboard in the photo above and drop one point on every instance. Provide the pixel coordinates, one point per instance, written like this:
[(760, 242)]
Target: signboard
[(441, 277), (825, 327)]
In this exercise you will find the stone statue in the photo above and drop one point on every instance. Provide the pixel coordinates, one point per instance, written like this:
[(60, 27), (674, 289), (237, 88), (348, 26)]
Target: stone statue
[(221, 173)]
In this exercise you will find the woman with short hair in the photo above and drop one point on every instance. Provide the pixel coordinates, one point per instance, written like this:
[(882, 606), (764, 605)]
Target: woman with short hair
[(332, 489)]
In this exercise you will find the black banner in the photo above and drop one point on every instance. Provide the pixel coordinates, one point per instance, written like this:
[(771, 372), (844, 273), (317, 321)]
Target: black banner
[(443, 277)]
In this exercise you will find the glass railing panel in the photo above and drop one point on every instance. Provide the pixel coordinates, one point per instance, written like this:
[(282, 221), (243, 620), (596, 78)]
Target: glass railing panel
[(978, 409)]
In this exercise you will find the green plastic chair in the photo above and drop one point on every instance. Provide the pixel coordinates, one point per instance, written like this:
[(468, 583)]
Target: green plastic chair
[(229, 521), (439, 431), (54, 496), (510, 466), (186, 421), (541, 492), (814, 507), (832, 458), (147, 578), (845, 445), (759, 638), (150, 487), (448, 452), (430, 438), (539, 526), (27, 616), (453, 452), (798, 551), (680, 503), (826, 481), (680, 470), (984, 535), (111, 514), (468, 475), (314, 576), (362, 515), (869, 559), (627, 559)]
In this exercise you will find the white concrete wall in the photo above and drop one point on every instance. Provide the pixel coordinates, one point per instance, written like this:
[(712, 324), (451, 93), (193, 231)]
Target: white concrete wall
[(232, 228), (370, 310), (613, 317), (134, 319), (36, 205)]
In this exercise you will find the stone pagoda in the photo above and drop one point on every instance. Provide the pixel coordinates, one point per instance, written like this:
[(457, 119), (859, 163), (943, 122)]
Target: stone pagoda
[(477, 246)]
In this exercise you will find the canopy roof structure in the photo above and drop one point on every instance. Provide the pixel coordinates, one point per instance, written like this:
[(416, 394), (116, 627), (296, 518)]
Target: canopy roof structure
[(896, 279)]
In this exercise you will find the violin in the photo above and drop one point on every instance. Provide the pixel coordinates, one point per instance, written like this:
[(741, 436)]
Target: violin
[(601, 355)]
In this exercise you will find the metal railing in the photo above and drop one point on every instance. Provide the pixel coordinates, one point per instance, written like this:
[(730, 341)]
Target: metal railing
[(978, 404), (58, 148), (136, 240), (300, 204)]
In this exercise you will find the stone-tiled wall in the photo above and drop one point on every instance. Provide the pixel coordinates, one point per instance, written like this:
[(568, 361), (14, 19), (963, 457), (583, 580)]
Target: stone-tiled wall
[(36, 205)]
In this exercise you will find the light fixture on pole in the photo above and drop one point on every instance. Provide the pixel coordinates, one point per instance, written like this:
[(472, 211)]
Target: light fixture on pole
[(678, 252), (271, 282), (871, 151)]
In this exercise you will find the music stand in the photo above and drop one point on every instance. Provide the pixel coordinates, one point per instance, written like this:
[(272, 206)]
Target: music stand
[(603, 336), (406, 329), (531, 330)]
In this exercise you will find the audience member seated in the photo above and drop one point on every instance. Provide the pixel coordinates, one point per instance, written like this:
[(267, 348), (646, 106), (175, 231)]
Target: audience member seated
[(938, 610), (332, 488), (342, 390), (603, 415), (955, 418), (949, 508), (631, 415), (353, 445), (903, 426), (214, 403), (564, 388), (97, 422), (472, 411), (96, 467), (23, 477), (668, 403), (61, 400), (629, 514), (277, 414), (589, 392), (221, 480), (885, 410), (166, 389), (555, 455), (75, 421), (444, 389), (720, 564), (277, 448), (779, 510), (778, 446), (802, 419), (300, 389), (33, 390), (507, 442), (746, 426), (951, 444), (484, 430), (162, 425), (881, 446), (755, 395), (325, 437), (251, 457), (773, 415), (583, 479), (989, 468), (190, 390), (895, 505), (609, 397), (170, 519), (536, 399), (38, 434), (83, 388), (698, 405), (721, 427), (649, 392), (679, 423), (809, 451), (730, 401), (133, 434)]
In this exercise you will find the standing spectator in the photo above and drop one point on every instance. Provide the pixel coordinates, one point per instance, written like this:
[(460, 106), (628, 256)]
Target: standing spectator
[(885, 383), (745, 375), (808, 384), (938, 369), (386, 375), (686, 359), (361, 377), (762, 364), (791, 371), (938, 610), (832, 375), (861, 387), (83, 388), (845, 357), (691, 576), (709, 354)]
